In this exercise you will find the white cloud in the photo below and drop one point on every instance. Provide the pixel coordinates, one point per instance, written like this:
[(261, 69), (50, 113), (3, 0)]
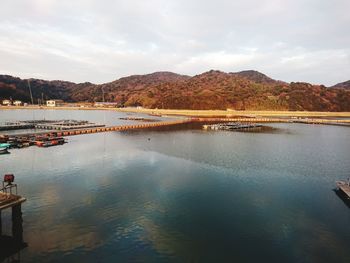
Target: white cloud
[(98, 41)]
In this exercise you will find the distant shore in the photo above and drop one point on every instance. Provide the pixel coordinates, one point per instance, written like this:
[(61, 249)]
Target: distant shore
[(232, 113), (196, 113)]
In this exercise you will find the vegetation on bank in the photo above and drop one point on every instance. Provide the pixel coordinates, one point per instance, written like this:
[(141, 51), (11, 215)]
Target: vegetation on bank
[(248, 90)]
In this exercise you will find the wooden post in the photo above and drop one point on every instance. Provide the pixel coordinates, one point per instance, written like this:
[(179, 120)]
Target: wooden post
[(17, 228)]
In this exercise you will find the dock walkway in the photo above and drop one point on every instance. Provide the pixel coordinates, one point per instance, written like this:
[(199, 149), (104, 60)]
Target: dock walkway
[(16, 126), (85, 130), (10, 200), (105, 129)]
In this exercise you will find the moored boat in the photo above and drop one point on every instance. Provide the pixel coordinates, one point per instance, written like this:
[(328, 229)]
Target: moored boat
[(4, 150), (5, 145), (47, 142)]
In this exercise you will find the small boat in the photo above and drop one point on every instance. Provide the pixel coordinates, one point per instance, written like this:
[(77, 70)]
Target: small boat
[(47, 142), (4, 150), (3, 138)]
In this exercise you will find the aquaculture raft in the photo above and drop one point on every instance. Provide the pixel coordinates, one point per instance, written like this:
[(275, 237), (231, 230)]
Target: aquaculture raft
[(49, 125), (232, 126)]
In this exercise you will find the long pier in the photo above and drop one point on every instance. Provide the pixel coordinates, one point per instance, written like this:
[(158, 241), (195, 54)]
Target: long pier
[(105, 129), (16, 126), (79, 131), (123, 127)]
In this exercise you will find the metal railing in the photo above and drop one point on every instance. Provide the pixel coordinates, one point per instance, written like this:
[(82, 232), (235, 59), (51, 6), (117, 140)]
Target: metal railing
[(8, 188)]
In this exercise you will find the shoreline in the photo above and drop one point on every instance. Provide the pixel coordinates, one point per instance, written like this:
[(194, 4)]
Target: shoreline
[(194, 113)]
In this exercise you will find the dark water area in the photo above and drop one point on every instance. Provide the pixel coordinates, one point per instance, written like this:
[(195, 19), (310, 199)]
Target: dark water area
[(186, 195)]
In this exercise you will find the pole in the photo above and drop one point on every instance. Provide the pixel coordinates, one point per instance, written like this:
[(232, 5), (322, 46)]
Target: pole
[(30, 92), (17, 228), (103, 94)]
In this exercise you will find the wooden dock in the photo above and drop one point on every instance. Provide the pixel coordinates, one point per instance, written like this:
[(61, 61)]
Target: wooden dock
[(104, 129), (59, 126), (80, 130), (232, 126), (49, 125), (16, 126), (10, 200), (344, 187)]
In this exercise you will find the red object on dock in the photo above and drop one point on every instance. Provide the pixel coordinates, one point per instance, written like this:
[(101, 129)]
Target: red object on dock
[(9, 178)]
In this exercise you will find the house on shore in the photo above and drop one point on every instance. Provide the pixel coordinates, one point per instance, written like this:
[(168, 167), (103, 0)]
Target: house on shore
[(17, 103), (54, 103), (6, 102)]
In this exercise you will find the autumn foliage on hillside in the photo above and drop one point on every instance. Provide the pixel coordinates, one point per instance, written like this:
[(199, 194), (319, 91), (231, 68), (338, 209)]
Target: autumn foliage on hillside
[(246, 90)]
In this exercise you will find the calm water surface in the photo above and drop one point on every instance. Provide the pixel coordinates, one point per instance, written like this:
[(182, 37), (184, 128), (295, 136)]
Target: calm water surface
[(185, 195)]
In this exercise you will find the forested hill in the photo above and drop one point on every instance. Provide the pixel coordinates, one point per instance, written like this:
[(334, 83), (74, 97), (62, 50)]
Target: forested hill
[(245, 90)]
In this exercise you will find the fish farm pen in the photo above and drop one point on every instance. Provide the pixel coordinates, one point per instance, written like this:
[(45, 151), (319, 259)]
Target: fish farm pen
[(232, 126), (54, 131), (48, 125)]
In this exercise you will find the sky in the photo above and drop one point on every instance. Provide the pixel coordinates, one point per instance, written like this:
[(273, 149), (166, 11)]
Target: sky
[(102, 40)]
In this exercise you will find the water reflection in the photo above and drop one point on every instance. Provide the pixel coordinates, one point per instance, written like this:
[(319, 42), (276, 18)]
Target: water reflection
[(186, 195), (11, 246)]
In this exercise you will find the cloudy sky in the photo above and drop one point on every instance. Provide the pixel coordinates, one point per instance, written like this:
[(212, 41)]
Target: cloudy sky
[(102, 40)]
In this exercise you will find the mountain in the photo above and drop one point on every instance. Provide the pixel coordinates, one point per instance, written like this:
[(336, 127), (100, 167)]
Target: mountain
[(255, 76), (342, 85), (245, 90), (121, 89), (18, 89)]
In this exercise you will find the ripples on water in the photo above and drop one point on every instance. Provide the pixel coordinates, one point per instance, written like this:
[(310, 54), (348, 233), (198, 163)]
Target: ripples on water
[(186, 196)]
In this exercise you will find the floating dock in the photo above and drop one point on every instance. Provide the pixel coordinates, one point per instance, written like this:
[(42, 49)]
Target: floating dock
[(16, 126), (67, 125), (344, 187), (232, 126), (49, 125), (79, 131), (10, 201), (344, 122), (83, 127)]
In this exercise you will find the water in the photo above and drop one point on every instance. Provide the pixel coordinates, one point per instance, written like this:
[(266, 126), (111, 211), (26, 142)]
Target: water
[(108, 118), (186, 196)]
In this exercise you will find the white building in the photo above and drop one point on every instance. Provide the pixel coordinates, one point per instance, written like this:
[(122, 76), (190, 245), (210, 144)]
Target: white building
[(54, 103), (6, 102), (17, 103)]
